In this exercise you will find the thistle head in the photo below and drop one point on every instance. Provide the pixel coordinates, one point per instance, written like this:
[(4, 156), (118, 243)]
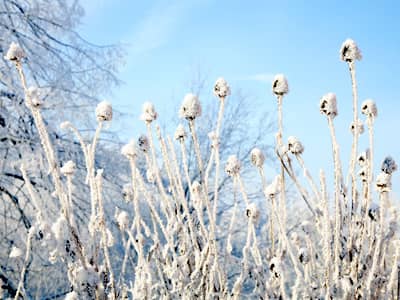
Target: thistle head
[(232, 167), (280, 85), (368, 108), (257, 158), (143, 143), (15, 53), (272, 190), (149, 113), (253, 213), (190, 108), (359, 125), (221, 88), (68, 168), (104, 111), (33, 98), (349, 51), (130, 150), (180, 133), (328, 106), (383, 182), (388, 165), (295, 146)]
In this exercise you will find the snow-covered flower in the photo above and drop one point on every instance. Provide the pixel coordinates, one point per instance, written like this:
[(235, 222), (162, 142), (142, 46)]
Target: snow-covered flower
[(304, 255), (190, 108), (130, 150), (232, 167), (221, 88), (360, 126), (295, 146), (373, 211), (383, 182), (349, 51), (15, 252), (104, 111), (33, 98), (307, 227), (363, 174), (122, 220), (253, 212), (388, 165), (363, 158), (327, 105), (196, 187), (368, 108), (280, 85), (257, 158), (275, 266), (68, 168), (127, 192), (149, 113), (180, 133), (15, 53), (143, 143), (274, 188)]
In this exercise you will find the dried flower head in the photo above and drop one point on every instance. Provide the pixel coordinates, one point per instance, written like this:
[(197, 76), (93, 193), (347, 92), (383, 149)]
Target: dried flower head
[(360, 127), (15, 53), (180, 133), (15, 252), (295, 146), (253, 212), (388, 165), (143, 143), (368, 108), (122, 220), (232, 167), (130, 150), (274, 188), (190, 108), (363, 158), (149, 113), (280, 85), (383, 182), (127, 192), (221, 88), (373, 211), (33, 98), (304, 255), (68, 168), (327, 105), (349, 51), (257, 158), (363, 174), (104, 111)]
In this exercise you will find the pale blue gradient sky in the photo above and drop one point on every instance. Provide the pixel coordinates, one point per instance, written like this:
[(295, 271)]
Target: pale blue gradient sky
[(247, 42)]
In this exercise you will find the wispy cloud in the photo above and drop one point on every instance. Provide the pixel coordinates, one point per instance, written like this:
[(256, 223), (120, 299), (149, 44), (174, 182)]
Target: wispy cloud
[(262, 77)]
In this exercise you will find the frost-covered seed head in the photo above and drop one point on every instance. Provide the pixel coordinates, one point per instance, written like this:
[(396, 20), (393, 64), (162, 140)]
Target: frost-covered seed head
[(190, 108), (68, 168), (149, 113), (328, 106), (127, 192), (360, 127), (143, 143), (295, 146), (257, 158), (253, 212), (363, 173), (274, 188), (150, 176), (214, 139), (15, 53), (232, 167), (368, 108), (122, 220), (295, 238), (71, 296), (221, 88), (275, 266), (307, 227), (388, 165), (34, 98), (15, 252), (180, 133), (349, 51), (304, 255), (363, 158), (130, 150), (280, 85), (196, 187), (104, 111), (383, 182)]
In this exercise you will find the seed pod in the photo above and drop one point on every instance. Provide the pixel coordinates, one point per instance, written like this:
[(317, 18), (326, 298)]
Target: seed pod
[(232, 167), (328, 106), (257, 158), (368, 108), (221, 88), (280, 85), (149, 113), (295, 146), (349, 51), (104, 111), (190, 108)]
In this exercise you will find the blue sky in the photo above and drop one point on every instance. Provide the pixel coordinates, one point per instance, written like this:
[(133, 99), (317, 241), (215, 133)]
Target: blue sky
[(247, 42)]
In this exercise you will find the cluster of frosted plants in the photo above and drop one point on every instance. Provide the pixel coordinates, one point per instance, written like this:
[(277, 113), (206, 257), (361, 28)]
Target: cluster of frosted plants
[(174, 246)]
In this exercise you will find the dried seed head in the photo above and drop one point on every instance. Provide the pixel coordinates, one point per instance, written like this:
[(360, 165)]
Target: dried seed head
[(127, 192), (149, 113), (221, 88), (196, 187), (15, 53), (295, 146), (307, 227), (71, 296), (360, 127), (33, 98), (274, 188), (257, 158), (253, 212), (368, 108), (388, 165), (214, 139), (383, 182), (143, 143), (122, 220), (275, 266), (328, 106), (363, 173), (130, 150), (349, 51), (180, 133), (280, 85), (68, 168), (232, 167), (104, 111), (363, 158), (190, 108), (304, 255), (150, 175), (15, 252)]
